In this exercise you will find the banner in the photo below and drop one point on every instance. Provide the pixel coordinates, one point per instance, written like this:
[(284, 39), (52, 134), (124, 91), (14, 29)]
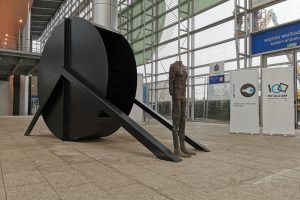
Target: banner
[(277, 38), (258, 3), (216, 73), (278, 101), (244, 104)]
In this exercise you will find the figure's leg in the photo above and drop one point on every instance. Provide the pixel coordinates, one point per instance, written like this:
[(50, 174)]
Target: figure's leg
[(176, 109), (181, 131)]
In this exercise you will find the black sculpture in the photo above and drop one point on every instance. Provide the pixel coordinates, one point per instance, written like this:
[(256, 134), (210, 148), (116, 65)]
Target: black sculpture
[(87, 82)]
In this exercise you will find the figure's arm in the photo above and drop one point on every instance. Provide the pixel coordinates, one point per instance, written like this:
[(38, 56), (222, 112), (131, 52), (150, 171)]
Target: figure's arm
[(171, 80)]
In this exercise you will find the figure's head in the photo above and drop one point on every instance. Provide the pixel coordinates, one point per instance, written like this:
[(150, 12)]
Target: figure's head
[(178, 63)]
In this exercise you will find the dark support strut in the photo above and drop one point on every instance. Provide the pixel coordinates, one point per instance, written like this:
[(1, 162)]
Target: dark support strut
[(158, 149), (40, 110), (168, 125)]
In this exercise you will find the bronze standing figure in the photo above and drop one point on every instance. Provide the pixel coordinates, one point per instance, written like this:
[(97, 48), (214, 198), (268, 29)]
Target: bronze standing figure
[(177, 88)]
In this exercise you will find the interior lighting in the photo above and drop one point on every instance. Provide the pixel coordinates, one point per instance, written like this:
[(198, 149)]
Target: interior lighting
[(6, 35), (20, 20)]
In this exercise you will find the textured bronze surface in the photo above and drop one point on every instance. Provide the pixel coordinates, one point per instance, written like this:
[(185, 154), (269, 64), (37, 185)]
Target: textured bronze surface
[(177, 89)]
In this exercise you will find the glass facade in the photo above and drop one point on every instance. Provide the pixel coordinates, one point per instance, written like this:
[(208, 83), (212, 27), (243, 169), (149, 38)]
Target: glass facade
[(197, 32)]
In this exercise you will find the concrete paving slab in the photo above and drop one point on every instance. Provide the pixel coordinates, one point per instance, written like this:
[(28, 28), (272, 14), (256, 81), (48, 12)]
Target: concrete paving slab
[(17, 166), (128, 168), (40, 191), (85, 191), (135, 192), (154, 180), (67, 178), (23, 178), (102, 176), (183, 191), (2, 193)]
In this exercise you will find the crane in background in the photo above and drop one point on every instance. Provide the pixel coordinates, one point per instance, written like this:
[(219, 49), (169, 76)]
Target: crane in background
[(263, 20)]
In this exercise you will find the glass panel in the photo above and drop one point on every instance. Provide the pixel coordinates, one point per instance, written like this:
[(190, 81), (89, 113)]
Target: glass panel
[(218, 104), (164, 99), (200, 102), (284, 60)]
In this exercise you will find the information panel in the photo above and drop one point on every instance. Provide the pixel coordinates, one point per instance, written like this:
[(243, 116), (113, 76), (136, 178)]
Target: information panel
[(278, 101), (278, 38), (244, 104)]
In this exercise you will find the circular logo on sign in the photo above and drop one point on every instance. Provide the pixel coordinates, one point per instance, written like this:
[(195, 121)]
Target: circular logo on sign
[(248, 90), (216, 67)]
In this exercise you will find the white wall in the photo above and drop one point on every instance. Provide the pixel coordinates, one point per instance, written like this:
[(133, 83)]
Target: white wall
[(6, 97), (24, 89)]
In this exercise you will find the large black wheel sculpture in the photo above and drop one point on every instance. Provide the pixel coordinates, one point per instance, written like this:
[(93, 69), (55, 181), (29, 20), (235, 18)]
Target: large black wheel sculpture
[(104, 61), (87, 82)]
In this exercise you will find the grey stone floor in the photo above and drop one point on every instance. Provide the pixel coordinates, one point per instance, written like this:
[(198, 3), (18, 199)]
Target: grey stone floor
[(117, 167)]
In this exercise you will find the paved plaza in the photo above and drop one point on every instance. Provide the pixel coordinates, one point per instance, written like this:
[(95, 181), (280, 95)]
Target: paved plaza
[(239, 167)]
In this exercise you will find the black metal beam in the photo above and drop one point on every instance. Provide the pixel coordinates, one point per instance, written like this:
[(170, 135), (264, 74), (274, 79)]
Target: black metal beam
[(29, 72), (168, 125), (158, 149), (52, 1), (41, 108), (38, 21), (16, 67), (44, 8), (36, 15), (66, 83), (16, 97)]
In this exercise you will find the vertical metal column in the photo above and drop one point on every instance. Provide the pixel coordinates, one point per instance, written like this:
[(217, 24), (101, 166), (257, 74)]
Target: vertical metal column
[(241, 31), (186, 30), (105, 13), (178, 40), (236, 33), (148, 45), (144, 49), (193, 64), (246, 25), (294, 63), (156, 38)]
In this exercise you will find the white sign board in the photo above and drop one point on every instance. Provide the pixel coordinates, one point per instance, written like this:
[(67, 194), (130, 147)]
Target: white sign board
[(258, 3), (278, 101), (216, 69), (244, 102)]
